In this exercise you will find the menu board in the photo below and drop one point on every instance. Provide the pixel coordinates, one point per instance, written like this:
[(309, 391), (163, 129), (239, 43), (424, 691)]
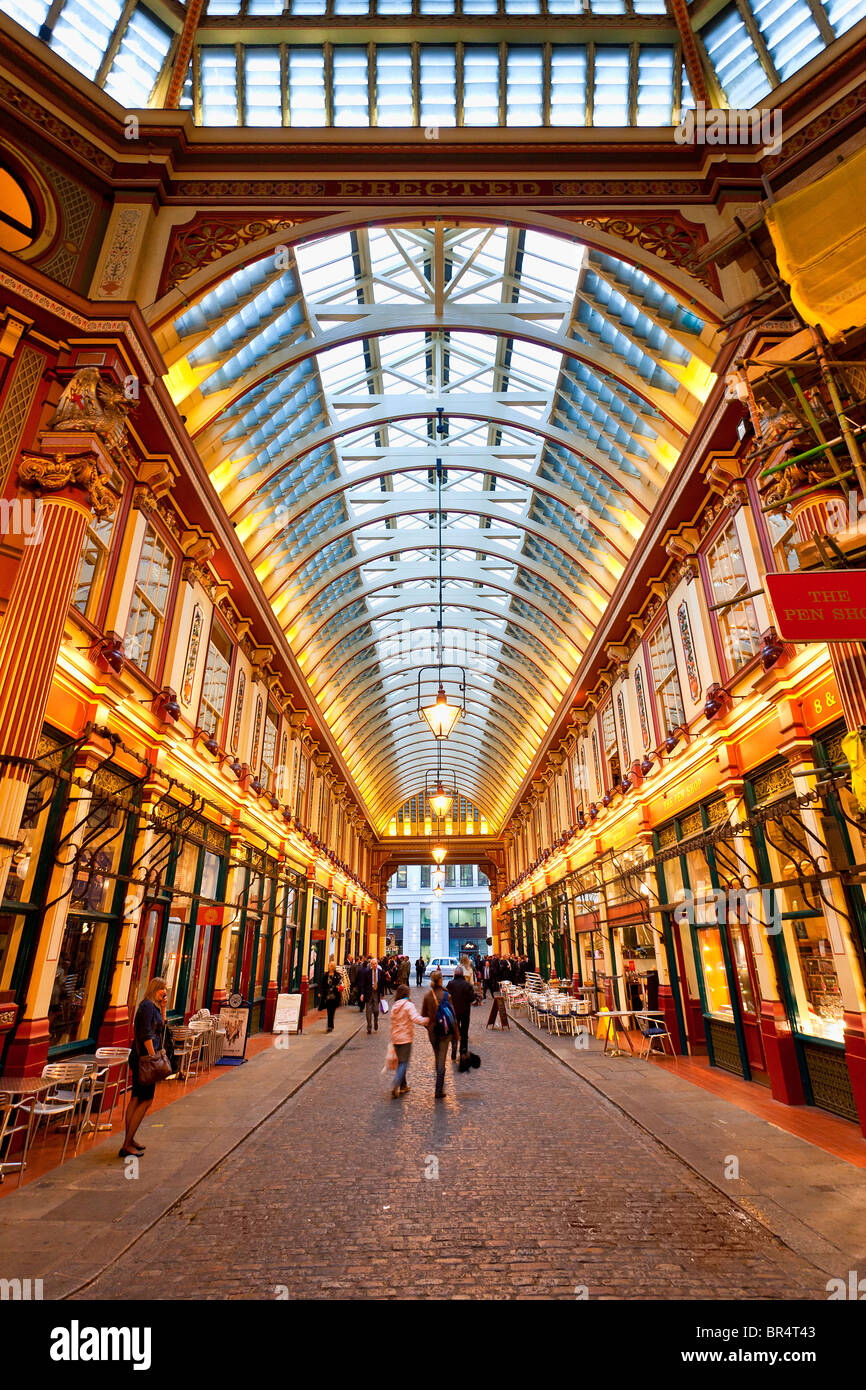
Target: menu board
[(287, 1016)]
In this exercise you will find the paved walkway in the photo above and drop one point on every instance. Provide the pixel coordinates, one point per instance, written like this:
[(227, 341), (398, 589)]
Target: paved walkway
[(813, 1200), (522, 1183), (525, 1182), (65, 1227)]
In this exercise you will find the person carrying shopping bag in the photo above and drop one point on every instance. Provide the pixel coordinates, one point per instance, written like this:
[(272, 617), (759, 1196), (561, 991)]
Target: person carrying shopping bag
[(404, 1016)]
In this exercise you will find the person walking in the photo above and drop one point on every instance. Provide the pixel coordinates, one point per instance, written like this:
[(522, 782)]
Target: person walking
[(371, 982), (439, 1013), (404, 1016), (462, 998), (331, 988), (150, 1033), (403, 968), (487, 975), (420, 967)]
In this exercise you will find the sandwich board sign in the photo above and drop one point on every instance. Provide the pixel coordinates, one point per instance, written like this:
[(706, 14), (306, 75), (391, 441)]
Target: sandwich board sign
[(287, 1015)]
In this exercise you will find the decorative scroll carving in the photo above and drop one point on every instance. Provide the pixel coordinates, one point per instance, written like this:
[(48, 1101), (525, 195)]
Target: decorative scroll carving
[(52, 473), (209, 237)]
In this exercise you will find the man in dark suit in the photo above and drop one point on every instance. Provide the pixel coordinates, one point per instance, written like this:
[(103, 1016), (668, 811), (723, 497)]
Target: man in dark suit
[(371, 983), (462, 997)]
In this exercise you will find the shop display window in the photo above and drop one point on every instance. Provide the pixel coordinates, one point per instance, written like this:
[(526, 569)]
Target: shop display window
[(815, 982), (73, 994), (713, 970), (171, 959), (741, 966)]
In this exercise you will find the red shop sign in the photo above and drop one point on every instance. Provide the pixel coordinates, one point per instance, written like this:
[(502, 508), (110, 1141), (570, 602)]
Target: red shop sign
[(821, 606)]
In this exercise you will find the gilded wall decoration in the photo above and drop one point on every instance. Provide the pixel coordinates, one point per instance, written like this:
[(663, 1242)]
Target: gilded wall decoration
[(208, 238), (192, 654), (623, 729), (239, 710), (689, 650), (642, 708), (119, 252)]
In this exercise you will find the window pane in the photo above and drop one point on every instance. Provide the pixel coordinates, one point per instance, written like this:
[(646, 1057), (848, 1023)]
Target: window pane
[(567, 86), (393, 86), (480, 85), (610, 106), (306, 86), (262, 86), (665, 679), (735, 59), (438, 85), (215, 682), (843, 14), (149, 601), (790, 33), (94, 556), (524, 86), (219, 86), (83, 31), (30, 14), (738, 622), (655, 86), (351, 102), (139, 60)]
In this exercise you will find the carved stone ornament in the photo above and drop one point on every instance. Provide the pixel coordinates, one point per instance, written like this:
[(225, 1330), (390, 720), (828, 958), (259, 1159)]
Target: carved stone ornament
[(39, 473), (98, 407)]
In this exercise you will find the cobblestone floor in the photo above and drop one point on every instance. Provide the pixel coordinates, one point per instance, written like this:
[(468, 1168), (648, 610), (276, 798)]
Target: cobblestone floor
[(522, 1183)]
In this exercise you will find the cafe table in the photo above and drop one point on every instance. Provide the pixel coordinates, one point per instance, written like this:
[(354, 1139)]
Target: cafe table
[(19, 1088), (616, 1014)]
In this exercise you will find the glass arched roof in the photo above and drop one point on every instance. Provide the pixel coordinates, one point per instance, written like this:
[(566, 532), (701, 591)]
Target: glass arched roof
[(556, 382), (433, 63)]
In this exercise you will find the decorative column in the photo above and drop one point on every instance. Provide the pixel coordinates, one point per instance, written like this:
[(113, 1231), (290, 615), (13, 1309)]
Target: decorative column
[(306, 939), (235, 882), (68, 489)]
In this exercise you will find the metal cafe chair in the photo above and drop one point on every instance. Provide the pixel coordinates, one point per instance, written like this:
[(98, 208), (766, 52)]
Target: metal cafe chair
[(114, 1059), (10, 1125), (653, 1030), (187, 1047), (68, 1096)]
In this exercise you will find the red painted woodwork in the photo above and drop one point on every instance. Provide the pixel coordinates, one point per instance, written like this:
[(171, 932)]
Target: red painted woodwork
[(668, 1007), (785, 1081), (116, 1029), (855, 1056), (28, 1049), (270, 1006)]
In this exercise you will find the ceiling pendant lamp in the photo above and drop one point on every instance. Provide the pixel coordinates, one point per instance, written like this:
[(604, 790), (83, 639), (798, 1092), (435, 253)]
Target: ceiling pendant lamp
[(441, 716), (438, 852), (441, 802)]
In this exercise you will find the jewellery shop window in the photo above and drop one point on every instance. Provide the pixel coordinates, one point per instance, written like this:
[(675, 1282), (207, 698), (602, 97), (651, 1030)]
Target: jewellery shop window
[(29, 869), (91, 921), (672, 890), (799, 920)]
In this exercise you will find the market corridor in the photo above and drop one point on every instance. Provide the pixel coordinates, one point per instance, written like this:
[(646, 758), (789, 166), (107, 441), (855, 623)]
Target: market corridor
[(523, 1182)]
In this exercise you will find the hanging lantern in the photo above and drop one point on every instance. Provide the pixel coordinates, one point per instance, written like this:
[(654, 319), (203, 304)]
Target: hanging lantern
[(441, 803), (438, 852), (441, 716)]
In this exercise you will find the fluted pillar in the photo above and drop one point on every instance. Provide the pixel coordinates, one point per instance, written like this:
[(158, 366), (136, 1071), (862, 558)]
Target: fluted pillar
[(67, 491)]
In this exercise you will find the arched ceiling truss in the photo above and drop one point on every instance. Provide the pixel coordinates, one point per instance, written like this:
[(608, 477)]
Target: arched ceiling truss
[(557, 382)]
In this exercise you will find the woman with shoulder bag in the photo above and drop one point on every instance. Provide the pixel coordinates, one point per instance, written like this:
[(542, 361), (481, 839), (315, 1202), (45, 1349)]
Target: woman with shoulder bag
[(331, 987), (148, 1061)]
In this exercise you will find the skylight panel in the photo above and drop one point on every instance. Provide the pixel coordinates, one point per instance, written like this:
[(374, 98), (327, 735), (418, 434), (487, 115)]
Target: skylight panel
[(650, 6), (790, 33), (325, 264), (567, 85), (610, 102), (223, 7), (480, 84), (687, 101), (393, 84), (479, 7), (351, 100), (394, 7), (524, 84), (262, 87), (83, 32), (351, 6), (655, 85), (843, 14), (306, 86), (436, 7), (342, 367), (438, 85), (139, 60), (522, 7), (733, 55), (219, 86), (607, 6), (303, 7), (551, 263), (30, 14), (265, 7)]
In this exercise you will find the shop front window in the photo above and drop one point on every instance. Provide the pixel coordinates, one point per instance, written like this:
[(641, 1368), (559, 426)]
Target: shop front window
[(741, 966), (713, 970), (666, 681), (73, 995), (171, 958)]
